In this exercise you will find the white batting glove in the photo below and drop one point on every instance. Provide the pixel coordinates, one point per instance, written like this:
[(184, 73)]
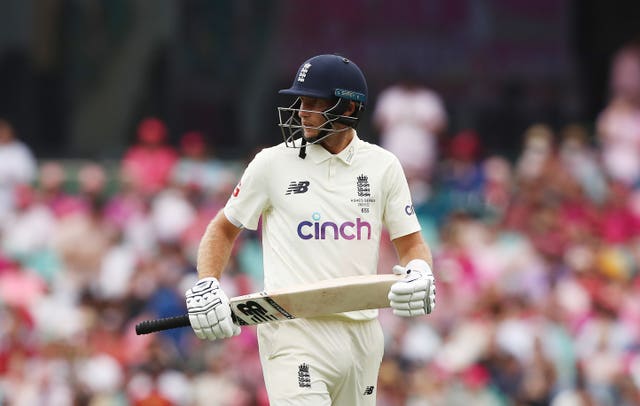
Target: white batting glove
[(209, 311), (415, 294)]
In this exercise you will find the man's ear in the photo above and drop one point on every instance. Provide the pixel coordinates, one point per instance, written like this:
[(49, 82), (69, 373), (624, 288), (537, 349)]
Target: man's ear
[(351, 109)]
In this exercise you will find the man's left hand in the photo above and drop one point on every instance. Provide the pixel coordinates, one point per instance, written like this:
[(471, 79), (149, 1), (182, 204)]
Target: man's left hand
[(415, 294)]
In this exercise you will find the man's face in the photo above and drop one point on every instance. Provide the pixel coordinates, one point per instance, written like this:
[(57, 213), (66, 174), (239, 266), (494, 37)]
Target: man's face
[(312, 114)]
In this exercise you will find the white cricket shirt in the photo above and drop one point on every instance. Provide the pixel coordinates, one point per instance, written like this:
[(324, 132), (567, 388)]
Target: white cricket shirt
[(322, 216)]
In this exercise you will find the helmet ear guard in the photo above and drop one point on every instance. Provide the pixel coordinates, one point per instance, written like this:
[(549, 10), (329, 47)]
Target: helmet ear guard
[(341, 107)]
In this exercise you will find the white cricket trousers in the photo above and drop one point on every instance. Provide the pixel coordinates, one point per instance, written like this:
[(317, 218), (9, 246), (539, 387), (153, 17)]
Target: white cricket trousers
[(321, 361)]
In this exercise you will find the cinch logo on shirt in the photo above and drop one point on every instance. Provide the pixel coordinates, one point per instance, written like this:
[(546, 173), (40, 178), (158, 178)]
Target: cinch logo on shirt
[(349, 230)]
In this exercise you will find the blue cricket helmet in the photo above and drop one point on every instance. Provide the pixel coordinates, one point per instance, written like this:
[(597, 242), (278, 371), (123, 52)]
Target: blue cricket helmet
[(331, 77)]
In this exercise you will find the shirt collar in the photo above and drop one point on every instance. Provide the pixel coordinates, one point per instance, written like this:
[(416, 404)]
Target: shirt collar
[(347, 155)]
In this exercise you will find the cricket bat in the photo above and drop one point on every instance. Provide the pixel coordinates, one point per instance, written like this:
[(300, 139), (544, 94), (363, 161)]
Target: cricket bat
[(315, 299)]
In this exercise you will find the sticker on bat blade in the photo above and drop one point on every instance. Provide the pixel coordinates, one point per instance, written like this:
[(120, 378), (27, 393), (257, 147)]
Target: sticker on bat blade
[(279, 308), (261, 310)]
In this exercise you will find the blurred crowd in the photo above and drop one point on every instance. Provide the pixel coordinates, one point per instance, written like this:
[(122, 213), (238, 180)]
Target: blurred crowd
[(536, 258)]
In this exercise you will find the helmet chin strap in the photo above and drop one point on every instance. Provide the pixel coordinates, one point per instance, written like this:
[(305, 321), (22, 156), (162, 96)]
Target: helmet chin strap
[(303, 145), (303, 148)]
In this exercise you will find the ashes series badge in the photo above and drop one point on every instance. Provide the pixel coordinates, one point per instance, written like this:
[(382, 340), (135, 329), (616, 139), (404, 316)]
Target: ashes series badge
[(364, 199)]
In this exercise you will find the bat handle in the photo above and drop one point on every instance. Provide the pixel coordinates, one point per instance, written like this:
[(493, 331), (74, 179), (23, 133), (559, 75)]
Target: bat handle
[(153, 326), (167, 323)]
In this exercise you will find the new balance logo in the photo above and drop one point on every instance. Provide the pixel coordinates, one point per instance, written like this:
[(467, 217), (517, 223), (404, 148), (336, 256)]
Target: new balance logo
[(255, 312), (368, 390), (297, 187), (304, 379)]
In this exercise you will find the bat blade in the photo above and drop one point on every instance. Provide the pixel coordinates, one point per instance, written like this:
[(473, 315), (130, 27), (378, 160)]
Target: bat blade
[(316, 299)]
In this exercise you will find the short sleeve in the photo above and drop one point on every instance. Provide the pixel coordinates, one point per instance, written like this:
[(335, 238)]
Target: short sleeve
[(250, 197), (399, 215)]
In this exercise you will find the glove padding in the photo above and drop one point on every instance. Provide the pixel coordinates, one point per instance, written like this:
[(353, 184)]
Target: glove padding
[(209, 310), (415, 294)]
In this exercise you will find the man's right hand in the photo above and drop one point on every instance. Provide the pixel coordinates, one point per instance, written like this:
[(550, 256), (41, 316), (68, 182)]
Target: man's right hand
[(209, 310)]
